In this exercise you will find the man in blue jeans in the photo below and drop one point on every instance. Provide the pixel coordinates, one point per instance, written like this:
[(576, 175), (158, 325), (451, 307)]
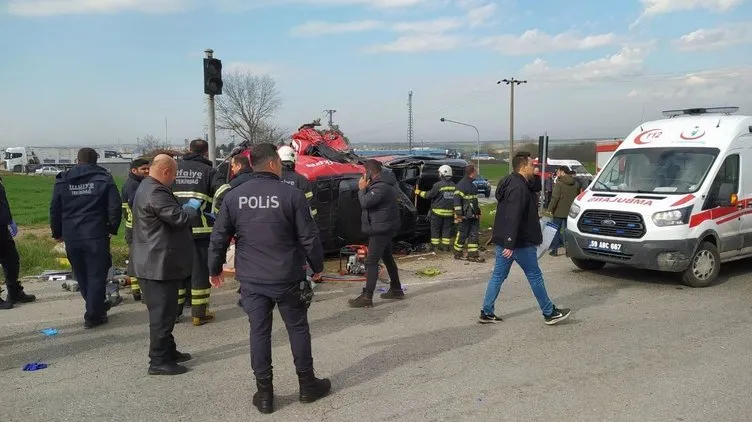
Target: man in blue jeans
[(517, 234)]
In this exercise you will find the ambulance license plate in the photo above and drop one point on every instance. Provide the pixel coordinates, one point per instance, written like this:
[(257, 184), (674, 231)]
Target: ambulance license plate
[(604, 246)]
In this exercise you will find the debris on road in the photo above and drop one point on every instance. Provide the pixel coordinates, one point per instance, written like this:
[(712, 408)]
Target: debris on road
[(429, 272), (49, 332), (34, 366)]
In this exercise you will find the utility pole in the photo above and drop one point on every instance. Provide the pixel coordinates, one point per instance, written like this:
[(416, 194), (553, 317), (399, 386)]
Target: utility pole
[(331, 119), (165, 132), (410, 133), (511, 82)]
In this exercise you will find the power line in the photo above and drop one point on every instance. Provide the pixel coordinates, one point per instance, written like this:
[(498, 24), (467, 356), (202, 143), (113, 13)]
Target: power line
[(472, 94)]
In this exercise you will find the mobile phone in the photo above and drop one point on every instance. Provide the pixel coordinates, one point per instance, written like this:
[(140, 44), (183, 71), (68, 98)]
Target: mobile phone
[(368, 176)]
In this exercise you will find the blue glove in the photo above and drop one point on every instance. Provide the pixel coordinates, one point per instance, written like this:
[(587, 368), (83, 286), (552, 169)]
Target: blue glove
[(211, 215), (13, 228), (192, 203)]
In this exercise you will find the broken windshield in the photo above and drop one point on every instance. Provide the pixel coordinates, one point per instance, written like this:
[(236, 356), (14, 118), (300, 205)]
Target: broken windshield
[(656, 170)]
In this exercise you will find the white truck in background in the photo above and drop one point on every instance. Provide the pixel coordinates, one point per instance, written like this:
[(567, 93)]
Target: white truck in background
[(603, 152), (27, 159)]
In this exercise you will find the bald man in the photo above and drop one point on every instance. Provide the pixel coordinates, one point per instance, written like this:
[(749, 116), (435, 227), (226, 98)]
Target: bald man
[(162, 259)]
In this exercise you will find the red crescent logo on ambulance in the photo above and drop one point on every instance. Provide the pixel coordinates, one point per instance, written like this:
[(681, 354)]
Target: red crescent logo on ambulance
[(695, 133), (648, 136)]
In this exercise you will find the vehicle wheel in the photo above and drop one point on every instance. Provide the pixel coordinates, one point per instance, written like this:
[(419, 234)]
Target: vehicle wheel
[(704, 266), (588, 264), (488, 194)]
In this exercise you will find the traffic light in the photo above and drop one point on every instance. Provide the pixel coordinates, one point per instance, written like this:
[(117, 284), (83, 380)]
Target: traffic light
[(213, 76), (543, 148)]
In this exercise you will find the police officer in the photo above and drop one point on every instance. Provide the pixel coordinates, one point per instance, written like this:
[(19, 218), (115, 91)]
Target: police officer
[(271, 219), (441, 196), (194, 181), (467, 216), (291, 177), (9, 255), (85, 212), (139, 170), (241, 170)]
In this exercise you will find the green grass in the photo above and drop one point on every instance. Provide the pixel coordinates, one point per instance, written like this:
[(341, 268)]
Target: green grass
[(29, 198)]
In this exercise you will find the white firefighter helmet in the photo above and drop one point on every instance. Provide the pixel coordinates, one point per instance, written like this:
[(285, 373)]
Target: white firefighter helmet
[(286, 154), (445, 171)]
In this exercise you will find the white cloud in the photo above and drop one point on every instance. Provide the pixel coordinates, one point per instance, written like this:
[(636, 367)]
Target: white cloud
[(699, 88), (715, 38), (658, 7), (432, 26), (418, 43), (481, 15), (313, 28), (537, 42), (474, 17), (74, 7), (80, 7), (652, 8), (628, 62)]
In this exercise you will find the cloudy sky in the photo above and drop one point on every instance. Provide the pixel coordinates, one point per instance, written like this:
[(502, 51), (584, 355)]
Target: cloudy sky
[(100, 71)]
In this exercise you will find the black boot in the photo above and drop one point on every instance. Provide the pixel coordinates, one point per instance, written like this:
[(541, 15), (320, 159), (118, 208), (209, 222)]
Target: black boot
[(365, 300), (21, 297), (5, 305), (312, 388), (263, 399)]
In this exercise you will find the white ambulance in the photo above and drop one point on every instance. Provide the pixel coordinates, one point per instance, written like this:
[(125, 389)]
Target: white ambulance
[(673, 197)]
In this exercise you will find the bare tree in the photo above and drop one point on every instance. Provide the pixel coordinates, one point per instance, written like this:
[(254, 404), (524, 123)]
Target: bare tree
[(247, 105), (150, 143)]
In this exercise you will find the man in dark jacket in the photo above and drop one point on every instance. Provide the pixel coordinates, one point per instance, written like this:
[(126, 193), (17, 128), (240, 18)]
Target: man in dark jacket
[(241, 171), (467, 216), (139, 170), (275, 236), (380, 220), (84, 213), (162, 259), (441, 196), (9, 255), (195, 180), (565, 191), (516, 234)]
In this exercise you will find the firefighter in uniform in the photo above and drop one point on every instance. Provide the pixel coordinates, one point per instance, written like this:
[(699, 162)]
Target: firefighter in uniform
[(139, 170), (85, 212), (241, 169), (467, 216), (271, 219), (194, 181), (291, 177), (441, 196)]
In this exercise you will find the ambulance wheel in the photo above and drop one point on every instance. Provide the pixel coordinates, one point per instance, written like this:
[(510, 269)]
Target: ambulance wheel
[(588, 264), (704, 267)]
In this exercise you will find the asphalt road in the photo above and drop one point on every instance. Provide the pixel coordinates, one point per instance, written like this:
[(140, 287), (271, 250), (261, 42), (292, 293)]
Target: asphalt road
[(638, 347)]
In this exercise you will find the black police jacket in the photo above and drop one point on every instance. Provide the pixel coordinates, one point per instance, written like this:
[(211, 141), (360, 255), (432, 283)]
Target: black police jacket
[(85, 204), (274, 233), (126, 195), (5, 215), (466, 199), (195, 180), (516, 224), (291, 177), (162, 241), (380, 213), (219, 195)]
